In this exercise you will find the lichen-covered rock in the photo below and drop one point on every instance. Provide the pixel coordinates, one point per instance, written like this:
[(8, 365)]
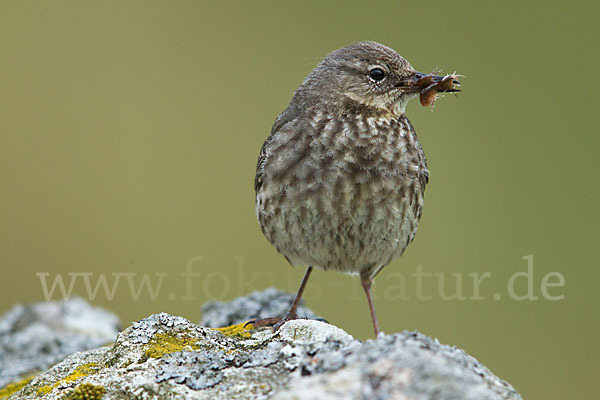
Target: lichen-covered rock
[(408, 365), (270, 302), (34, 337), (164, 356)]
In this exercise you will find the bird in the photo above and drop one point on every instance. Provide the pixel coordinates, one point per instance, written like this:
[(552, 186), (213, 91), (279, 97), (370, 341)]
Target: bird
[(340, 180)]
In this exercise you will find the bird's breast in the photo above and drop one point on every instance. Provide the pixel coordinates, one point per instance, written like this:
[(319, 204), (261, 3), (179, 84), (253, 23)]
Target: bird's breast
[(344, 163), (364, 149)]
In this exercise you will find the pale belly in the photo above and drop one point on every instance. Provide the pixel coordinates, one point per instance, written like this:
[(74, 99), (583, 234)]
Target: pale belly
[(363, 226)]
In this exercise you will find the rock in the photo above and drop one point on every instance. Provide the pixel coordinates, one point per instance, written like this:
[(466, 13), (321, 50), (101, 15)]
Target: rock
[(302, 331), (34, 337), (408, 365), (270, 302), (164, 356)]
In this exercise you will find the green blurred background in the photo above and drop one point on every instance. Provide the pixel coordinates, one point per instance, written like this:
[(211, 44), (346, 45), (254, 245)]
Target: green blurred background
[(129, 133)]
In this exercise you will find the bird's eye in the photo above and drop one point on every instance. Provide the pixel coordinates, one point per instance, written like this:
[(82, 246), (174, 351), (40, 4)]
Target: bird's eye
[(376, 74)]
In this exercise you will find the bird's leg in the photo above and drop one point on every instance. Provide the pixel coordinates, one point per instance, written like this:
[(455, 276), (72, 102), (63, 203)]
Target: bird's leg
[(291, 314), (366, 281)]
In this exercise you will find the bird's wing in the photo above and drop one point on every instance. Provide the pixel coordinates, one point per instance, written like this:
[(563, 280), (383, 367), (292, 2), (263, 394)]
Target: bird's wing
[(286, 117), (260, 165)]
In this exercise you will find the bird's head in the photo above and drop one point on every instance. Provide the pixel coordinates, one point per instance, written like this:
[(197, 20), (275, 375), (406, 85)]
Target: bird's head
[(367, 78)]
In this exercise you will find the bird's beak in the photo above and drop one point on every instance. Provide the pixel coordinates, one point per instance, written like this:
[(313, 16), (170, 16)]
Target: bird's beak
[(419, 82)]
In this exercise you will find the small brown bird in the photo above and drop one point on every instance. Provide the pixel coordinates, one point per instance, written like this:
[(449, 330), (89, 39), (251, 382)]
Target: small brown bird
[(340, 180)]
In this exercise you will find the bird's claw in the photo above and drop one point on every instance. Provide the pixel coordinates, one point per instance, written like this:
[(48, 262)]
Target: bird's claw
[(274, 322)]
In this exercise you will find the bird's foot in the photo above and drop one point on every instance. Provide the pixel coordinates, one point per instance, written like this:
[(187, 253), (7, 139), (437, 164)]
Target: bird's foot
[(274, 322)]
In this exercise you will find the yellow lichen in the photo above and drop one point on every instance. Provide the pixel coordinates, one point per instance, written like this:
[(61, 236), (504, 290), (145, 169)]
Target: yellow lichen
[(79, 372), (86, 391), (14, 387), (240, 330), (166, 343), (44, 390)]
